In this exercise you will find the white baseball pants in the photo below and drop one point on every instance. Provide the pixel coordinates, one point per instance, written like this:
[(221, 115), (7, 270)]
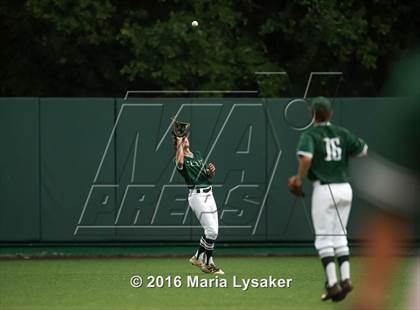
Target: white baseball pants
[(205, 209), (331, 204)]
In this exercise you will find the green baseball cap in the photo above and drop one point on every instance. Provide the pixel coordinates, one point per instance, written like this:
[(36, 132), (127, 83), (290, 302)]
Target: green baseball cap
[(319, 103)]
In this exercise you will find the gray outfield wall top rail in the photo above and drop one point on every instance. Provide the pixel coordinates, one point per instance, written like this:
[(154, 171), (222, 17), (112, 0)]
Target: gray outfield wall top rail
[(101, 169)]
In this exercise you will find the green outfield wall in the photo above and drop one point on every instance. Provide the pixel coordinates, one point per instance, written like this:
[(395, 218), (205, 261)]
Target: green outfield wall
[(101, 169)]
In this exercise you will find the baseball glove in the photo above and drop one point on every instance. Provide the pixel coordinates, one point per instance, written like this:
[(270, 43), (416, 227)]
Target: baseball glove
[(180, 129), (294, 188)]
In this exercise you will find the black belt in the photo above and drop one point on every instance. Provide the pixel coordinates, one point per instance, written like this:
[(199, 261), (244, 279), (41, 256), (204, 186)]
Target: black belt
[(202, 190), (326, 183)]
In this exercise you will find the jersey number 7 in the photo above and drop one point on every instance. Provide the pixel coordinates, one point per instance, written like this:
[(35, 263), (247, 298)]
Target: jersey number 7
[(333, 149)]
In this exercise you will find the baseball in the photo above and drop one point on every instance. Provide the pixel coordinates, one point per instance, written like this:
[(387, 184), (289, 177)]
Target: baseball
[(194, 23)]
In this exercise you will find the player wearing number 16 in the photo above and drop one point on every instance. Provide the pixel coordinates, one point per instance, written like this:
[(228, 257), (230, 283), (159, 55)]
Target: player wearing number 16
[(323, 153)]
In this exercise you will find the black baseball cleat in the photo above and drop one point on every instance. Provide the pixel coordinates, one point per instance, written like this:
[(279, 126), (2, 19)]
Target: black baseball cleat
[(333, 293), (346, 287)]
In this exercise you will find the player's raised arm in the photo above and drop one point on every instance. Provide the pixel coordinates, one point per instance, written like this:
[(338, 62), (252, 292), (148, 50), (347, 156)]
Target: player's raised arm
[(179, 155)]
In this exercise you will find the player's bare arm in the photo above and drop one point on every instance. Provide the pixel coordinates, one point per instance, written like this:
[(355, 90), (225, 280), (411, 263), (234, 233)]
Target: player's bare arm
[(295, 182), (179, 157), (303, 168)]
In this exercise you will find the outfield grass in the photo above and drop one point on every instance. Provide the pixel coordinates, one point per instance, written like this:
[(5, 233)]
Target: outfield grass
[(104, 284)]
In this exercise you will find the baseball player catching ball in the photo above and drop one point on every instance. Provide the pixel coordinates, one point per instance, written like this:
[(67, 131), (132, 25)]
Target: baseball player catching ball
[(323, 153), (197, 176)]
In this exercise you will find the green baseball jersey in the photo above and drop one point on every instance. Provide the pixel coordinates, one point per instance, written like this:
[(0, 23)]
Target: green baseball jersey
[(194, 171), (330, 147)]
